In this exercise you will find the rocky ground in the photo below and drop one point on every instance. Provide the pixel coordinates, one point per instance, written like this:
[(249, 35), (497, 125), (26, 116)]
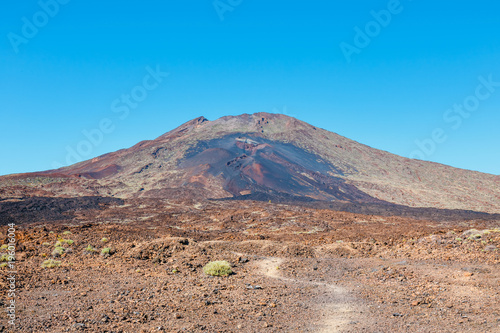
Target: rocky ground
[(295, 269)]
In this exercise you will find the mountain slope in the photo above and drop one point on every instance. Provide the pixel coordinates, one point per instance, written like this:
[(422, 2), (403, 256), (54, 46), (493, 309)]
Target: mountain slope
[(272, 154)]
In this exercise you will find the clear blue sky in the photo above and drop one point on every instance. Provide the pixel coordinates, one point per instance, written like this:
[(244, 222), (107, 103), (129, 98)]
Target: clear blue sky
[(284, 56)]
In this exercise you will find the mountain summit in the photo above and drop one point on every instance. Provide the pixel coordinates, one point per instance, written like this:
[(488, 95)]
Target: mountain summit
[(270, 155)]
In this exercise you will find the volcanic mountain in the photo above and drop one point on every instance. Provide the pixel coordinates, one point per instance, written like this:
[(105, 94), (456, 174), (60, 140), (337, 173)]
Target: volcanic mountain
[(263, 156)]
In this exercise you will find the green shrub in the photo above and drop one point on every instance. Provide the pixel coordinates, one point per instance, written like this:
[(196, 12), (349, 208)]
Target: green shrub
[(4, 247), (4, 257), (46, 244), (2, 265), (104, 240), (67, 233), (50, 263), (90, 249), (106, 250), (58, 251), (218, 268), (61, 242)]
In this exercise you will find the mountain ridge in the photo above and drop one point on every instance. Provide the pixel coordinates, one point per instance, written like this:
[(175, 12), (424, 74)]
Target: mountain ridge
[(272, 153)]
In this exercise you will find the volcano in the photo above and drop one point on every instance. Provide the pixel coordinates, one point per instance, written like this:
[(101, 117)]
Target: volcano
[(263, 156)]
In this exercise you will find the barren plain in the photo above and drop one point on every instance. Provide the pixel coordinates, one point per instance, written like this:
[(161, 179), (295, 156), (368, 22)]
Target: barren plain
[(296, 269)]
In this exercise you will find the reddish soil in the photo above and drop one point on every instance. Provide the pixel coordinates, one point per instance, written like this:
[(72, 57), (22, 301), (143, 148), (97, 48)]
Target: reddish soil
[(295, 269)]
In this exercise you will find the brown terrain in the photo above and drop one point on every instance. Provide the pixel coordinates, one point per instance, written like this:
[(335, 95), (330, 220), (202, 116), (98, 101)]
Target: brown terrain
[(323, 235)]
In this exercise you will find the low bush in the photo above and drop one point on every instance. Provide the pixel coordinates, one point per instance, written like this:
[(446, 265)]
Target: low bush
[(50, 263), (90, 249), (58, 251), (218, 268), (4, 257)]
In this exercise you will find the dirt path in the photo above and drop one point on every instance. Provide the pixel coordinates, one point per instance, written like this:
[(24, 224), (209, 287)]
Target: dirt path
[(337, 308)]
